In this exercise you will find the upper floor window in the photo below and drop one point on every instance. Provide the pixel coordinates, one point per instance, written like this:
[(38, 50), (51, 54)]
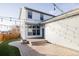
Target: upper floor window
[(30, 14), (41, 17)]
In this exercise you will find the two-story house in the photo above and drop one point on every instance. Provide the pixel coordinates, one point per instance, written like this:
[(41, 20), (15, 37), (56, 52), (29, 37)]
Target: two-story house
[(31, 26)]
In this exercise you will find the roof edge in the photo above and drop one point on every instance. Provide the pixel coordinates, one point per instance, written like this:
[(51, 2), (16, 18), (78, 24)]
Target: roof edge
[(39, 11), (70, 13)]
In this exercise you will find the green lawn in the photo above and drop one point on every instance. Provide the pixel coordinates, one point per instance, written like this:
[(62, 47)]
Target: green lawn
[(7, 50)]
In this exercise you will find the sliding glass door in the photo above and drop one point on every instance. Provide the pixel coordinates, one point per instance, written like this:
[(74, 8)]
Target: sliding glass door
[(33, 30)]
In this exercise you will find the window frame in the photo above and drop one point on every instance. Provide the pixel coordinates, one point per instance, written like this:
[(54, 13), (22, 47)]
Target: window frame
[(29, 14), (41, 17), (35, 29)]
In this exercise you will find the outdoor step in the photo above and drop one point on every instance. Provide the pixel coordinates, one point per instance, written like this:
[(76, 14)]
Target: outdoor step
[(38, 42)]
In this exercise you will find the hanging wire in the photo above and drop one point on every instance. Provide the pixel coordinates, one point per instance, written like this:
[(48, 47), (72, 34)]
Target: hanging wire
[(56, 7)]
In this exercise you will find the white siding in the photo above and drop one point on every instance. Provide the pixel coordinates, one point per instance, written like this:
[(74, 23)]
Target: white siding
[(64, 32), (36, 16), (46, 17), (23, 15), (35, 19), (23, 30)]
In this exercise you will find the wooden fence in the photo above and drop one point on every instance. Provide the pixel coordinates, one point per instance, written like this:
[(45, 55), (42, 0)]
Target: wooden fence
[(13, 34)]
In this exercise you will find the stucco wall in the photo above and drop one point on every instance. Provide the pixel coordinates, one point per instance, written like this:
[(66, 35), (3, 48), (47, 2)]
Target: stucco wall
[(64, 32)]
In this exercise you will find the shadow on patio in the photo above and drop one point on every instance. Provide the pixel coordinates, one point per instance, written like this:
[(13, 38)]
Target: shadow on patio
[(25, 50)]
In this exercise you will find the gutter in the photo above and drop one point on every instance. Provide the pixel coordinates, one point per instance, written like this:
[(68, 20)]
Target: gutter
[(62, 16)]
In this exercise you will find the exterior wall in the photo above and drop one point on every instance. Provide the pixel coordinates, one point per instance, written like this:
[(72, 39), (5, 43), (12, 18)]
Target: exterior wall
[(23, 27), (64, 32), (47, 17), (36, 17)]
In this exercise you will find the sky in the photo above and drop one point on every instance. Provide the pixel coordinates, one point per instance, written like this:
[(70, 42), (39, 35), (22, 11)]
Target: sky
[(13, 9)]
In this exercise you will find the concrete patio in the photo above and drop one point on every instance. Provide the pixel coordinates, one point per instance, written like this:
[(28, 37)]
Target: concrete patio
[(45, 49)]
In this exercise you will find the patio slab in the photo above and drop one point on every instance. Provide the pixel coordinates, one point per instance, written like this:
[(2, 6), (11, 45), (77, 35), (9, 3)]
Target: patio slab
[(43, 50)]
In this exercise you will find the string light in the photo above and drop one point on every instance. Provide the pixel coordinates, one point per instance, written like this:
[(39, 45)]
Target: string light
[(1, 19), (10, 18)]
